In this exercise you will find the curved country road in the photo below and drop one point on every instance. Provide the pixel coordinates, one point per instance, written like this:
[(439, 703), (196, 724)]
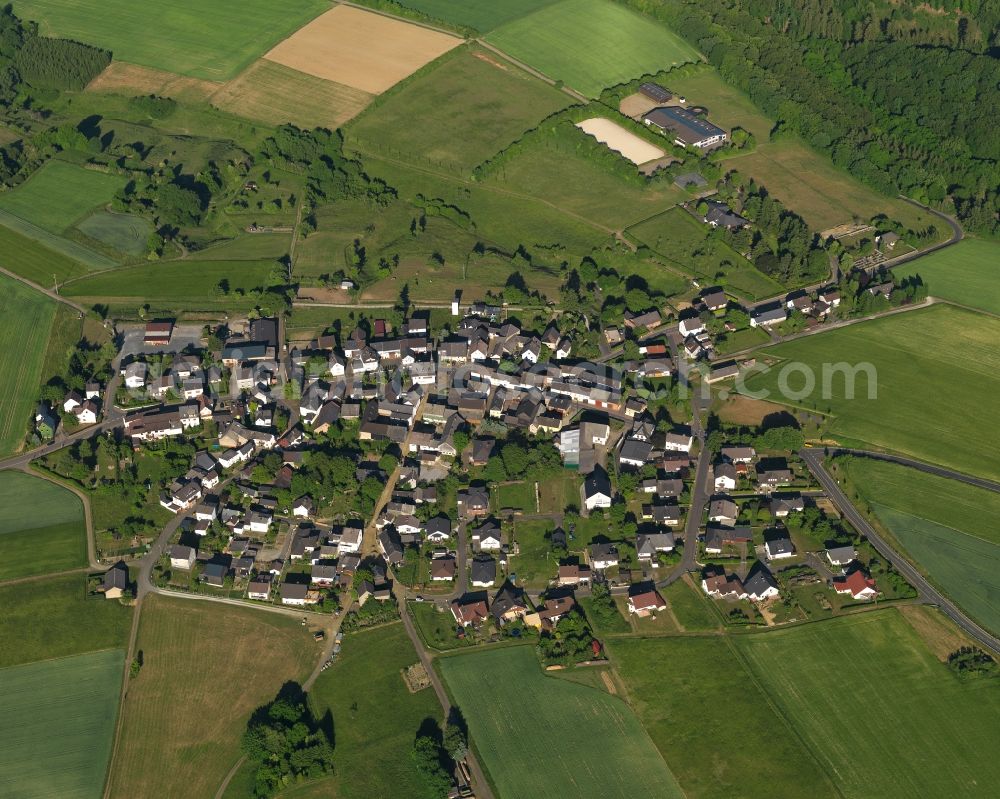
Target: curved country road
[(814, 460)]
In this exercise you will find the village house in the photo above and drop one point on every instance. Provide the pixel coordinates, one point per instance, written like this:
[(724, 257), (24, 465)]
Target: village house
[(644, 600), (857, 584)]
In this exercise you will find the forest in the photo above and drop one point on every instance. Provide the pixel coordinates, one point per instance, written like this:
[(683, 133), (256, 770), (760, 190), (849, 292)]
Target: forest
[(903, 115)]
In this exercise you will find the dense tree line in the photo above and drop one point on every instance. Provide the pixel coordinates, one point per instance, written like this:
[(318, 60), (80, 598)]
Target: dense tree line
[(907, 138)]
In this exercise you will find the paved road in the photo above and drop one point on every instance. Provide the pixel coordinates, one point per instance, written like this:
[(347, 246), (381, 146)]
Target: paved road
[(940, 471), (23, 459), (814, 460)]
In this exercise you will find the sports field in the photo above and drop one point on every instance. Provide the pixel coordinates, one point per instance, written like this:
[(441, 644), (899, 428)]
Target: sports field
[(59, 194), (715, 727), (949, 528), (967, 273), (685, 243), (42, 528), (53, 618), (206, 668), (483, 15), (593, 744), (22, 309), (173, 281), (122, 232), (276, 94), (211, 39), (878, 710), (458, 114), (59, 719), (937, 369), (374, 715), (360, 49), (591, 44)]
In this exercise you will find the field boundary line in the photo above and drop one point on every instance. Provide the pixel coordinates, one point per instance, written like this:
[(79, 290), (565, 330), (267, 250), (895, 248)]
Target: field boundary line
[(47, 292), (382, 13), (64, 657), (936, 524), (88, 518), (34, 578)]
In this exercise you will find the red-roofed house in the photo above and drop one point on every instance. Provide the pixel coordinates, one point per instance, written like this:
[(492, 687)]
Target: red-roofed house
[(470, 614), (645, 603), (857, 585)]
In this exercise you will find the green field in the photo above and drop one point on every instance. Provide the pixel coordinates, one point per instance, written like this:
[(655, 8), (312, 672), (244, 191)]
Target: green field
[(459, 114), (53, 618), (967, 273), (716, 728), (592, 743), (690, 606), (210, 39), (25, 321), (175, 281), (937, 370), (30, 259), (591, 44), (374, 715), (949, 528), (60, 720), (535, 564), (483, 15), (42, 529), (59, 194), (878, 710), (122, 232), (689, 246)]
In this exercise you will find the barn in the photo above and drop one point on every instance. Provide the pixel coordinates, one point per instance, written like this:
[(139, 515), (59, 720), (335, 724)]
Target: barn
[(655, 92)]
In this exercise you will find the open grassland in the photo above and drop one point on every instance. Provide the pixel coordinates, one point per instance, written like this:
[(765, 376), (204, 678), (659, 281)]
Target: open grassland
[(357, 48), (25, 321), (174, 281), (122, 232), (878, 710), (53, 618), (59, 719), (594, 745), (716, 728), (577, 185), (206, 668), (690, 246), (38, 254), (42, 529), (949, 529), (690, 607), (246, 247), (374, 715), (591, 44), (59, 194), (483, 15), (276, 94), (936, 371), (211, 39), (458, 114), (967, 273)]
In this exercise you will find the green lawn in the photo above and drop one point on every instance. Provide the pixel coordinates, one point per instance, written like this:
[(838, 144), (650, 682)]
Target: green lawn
[(60, 719), (967, 273), (59, 194), (878, 710), (122, 232), (436, 629), (948, 527), (937, 371), (25, 321), (42, 529), (534, 564), (592, 743), (182, 282), (717, 728), (690, 607), (520, 496), (690, 246), (459, 114), (591, 44), (211, 39), (53, 618), (374, 716), (483, 15)]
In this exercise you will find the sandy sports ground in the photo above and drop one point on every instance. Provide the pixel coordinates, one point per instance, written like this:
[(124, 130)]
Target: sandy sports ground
[(361, 49), (635, 149)]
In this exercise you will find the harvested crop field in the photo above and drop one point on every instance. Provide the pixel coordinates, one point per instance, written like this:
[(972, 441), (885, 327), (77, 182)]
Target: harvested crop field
[(133, 79), (360, 49), (206, 668), (632, 147), (59, 720), (273, 93), (42, 529), (22, 310), (594, 744)]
